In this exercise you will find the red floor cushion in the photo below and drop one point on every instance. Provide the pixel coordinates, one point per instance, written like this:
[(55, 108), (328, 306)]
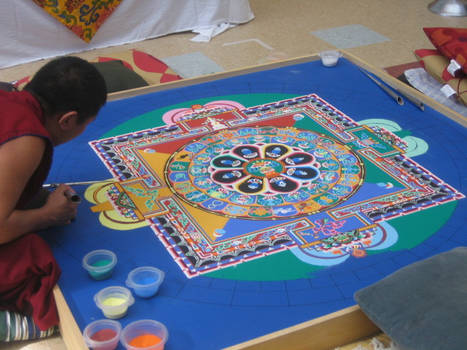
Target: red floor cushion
[(151, 69), (451, 42)]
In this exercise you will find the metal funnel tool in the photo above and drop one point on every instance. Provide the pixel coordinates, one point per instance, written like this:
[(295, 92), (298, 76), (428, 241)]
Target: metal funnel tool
[(449, 7)]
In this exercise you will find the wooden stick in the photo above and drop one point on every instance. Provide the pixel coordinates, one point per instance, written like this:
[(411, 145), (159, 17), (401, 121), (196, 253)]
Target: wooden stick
[(323, 333)]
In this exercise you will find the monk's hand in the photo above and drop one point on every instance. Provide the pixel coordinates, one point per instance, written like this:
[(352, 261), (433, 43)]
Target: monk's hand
[(60, 206)]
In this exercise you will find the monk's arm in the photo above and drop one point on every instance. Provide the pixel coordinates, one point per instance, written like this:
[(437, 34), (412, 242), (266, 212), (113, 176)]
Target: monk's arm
[(19, 158)]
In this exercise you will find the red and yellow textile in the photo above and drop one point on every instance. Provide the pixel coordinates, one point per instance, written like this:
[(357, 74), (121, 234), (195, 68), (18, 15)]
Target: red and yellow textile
[(148, 67), (451, 42), (436, 65), (82, 17), (151, 69)]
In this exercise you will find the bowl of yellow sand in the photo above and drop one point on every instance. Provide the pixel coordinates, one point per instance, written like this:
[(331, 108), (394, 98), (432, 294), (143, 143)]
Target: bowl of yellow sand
[(114, 301)]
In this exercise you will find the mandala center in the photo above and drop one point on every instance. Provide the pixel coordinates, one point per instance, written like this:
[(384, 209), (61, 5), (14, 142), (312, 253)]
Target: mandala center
[(264, 168), (262, 172)]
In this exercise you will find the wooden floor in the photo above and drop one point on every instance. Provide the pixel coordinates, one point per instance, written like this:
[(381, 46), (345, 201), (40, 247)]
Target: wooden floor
[(286, 29)]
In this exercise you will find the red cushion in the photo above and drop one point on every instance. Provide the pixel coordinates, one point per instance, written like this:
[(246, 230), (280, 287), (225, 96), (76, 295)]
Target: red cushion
[(148, 67), (451, 42)]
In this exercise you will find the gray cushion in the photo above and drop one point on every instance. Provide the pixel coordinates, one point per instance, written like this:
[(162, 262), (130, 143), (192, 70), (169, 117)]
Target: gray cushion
[(422, 306), (118, 77)]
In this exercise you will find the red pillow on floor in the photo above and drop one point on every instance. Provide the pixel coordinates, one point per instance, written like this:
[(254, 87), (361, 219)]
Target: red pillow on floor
[(151, 69), (451, 42)]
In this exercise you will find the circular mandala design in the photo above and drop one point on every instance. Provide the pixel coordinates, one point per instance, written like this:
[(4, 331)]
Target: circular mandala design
[(264, 173)]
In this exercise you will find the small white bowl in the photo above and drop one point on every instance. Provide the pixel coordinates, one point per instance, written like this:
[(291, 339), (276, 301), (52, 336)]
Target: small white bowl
[(330, 58)]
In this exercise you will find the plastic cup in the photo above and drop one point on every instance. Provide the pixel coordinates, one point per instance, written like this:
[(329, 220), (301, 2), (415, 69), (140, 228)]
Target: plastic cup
[(144, 335), (145, 281), (329, 58), (102, 334), (114, 301), (100, 263)]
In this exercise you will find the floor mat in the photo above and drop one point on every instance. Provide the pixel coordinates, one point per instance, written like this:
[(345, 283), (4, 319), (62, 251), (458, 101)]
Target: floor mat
[(193, 64), (349, 36)]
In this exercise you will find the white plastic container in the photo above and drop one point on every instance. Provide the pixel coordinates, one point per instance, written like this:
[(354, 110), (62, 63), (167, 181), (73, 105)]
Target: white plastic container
[(114, 301), (100, 263), (330, 58), (102, 334), (145, 281), (144, 335)]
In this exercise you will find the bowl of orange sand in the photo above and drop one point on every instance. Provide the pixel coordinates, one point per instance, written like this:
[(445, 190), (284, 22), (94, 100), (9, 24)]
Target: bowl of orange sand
[(144, 335)]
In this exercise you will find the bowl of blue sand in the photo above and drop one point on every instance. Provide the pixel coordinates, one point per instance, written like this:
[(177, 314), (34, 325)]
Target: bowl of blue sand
[(145, 281)]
